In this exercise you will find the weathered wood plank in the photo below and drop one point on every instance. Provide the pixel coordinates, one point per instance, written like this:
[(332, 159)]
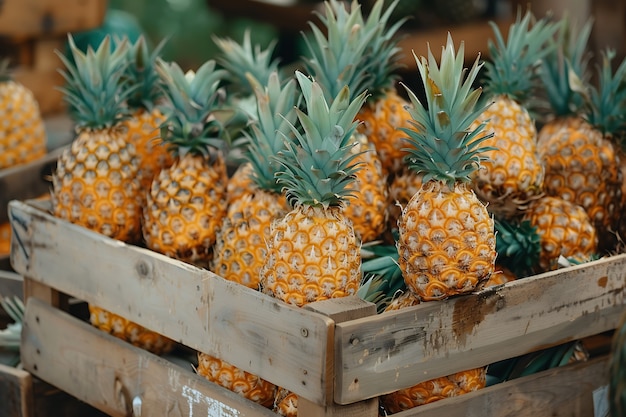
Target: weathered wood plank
[(398, 349), (284, 344), (16, 389), (114, 376), (558, 392)]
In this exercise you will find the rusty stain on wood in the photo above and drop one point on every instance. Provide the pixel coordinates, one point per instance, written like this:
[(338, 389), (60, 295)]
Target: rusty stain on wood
[(471, 310), (602, 281)]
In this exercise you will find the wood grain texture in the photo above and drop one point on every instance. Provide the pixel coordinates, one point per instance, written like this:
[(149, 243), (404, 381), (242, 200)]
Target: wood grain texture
[(398, 349), (566, 391), (283, 344), (114, 376), (16, 392)]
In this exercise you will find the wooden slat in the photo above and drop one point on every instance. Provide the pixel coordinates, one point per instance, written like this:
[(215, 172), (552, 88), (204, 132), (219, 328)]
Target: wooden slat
[(28, 18), (398, 349), (283, 344), (559, 392), (16, 391), (110, 374)]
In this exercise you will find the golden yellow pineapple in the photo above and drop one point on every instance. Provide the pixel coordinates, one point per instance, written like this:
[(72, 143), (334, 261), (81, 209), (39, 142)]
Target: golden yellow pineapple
[(313, 252), (240, 182), (340, 55), (404, 184), (446, 242), (243, 383), (564, 229), (583, 163), (512, 174), (96, 182), (22, 135), (146, 117), (241, 248), (286, 403), (187, 201)]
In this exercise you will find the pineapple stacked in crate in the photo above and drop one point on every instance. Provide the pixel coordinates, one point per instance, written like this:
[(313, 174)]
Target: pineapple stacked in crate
[(29, 34)]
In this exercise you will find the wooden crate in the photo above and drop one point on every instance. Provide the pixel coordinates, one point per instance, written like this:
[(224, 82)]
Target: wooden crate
[(337, 355)]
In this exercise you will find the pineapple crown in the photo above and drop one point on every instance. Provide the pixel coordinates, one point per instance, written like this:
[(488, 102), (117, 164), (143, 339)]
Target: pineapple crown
[(337, 55), (382, 276), (142, 72), (276, 113), (569, 57), (192, 102), (442, 144), (605, 103), (512, 70), (518, 246), (241, 59), (383, 48), (318, 165), (95, 88)]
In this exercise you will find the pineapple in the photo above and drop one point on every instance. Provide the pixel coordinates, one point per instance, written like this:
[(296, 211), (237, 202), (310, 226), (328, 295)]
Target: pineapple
[(564, 229), (146, 116), (5, 238), (446, 241), (240, 248), (96, 181), (583, 163), (338, 57), (22, 137), (187, 201), (512, 174), (570, 55), (313, 252)]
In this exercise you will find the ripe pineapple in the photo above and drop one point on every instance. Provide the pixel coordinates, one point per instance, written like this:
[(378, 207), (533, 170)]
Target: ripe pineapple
[(569, 55), (384, 111), (338, 57), (187, 201), (564, 229), (512, 174), (313, 252), (240, 249), (446, 241), (22, 136), (96, 182), (146, 117), (583, 162)]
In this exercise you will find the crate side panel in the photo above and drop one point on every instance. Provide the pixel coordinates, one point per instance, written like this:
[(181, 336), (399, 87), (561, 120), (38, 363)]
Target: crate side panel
[(259, 334), (559, 392), (434, 339), (109, 374), (16, 389)]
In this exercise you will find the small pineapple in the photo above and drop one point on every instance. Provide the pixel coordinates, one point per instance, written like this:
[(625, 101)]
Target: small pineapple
[(96, 181), (187, 201), (564, 229), (313, 252), (512, 174), (146, 117), (446, 241), (583, 163), (339, 56), (22, 136)]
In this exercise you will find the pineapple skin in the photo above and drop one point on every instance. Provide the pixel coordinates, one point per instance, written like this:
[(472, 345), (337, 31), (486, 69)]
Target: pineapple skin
[(22, 134), (381, 123), (96, 185), (313, 255), (5, 238), (240, 183), (240, 248), (513, 174), (446, 242), (402, 188), (143, 131), (241, 382), (185, 207), (584, 167), (564, 229), (368, 209)]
